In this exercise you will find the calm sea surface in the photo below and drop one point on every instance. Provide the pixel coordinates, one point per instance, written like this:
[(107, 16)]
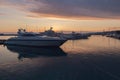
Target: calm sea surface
[(96, 58)]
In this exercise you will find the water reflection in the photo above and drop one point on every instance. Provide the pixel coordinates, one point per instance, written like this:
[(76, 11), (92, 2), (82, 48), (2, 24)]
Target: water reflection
[(33, 52), (97, 58), (6, 37), (94, 45)]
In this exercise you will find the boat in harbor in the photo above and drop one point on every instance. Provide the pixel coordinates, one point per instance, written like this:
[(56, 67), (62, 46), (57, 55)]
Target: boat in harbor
[(69, 36), (31, 39)]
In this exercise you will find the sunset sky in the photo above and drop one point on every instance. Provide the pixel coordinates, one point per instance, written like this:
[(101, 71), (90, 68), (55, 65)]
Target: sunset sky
[(62, 15)]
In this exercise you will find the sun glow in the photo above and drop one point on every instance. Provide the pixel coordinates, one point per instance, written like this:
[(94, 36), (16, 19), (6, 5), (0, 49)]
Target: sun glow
[(11, 19)]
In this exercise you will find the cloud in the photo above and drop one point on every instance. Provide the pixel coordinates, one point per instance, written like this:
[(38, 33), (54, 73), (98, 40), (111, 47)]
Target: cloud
[(78, 9), (1, 14)]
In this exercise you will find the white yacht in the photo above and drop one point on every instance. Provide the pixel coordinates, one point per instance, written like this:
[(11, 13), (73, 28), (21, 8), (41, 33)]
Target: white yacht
[(31, 39)]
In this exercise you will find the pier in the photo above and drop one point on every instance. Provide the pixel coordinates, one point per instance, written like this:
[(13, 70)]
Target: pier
[(8, 34), (2, 41)]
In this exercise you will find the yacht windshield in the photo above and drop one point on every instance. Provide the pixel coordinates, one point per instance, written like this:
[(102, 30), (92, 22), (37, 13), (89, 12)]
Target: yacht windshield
[(28, 35)]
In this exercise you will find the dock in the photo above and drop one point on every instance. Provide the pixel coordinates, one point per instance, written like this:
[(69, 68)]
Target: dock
[(8, 34), (2, 41)]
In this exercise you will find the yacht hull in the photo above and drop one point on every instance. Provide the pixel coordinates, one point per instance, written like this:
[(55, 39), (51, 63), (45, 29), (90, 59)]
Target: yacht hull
[(36, 43)]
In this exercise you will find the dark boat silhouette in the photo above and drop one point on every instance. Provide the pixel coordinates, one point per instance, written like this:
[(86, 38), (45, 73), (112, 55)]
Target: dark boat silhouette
[(33, 52)]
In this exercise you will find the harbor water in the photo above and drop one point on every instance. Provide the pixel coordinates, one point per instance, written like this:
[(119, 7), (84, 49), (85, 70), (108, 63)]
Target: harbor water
[(96, 58)]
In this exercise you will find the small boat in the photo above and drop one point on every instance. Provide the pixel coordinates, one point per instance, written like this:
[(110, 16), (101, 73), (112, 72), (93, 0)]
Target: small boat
[(31, 39)]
